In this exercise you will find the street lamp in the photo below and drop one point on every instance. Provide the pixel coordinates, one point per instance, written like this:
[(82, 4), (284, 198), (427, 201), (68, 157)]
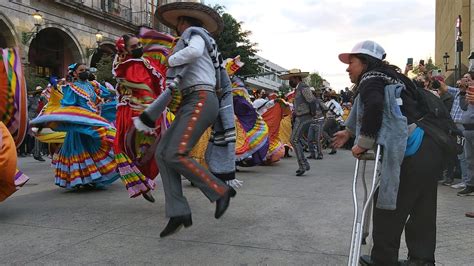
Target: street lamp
[(27, 36), (98, 39), (446, 62), (38, 18)]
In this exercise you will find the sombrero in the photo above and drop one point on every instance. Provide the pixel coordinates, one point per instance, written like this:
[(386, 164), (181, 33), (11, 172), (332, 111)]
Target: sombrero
[(169, 14), (294, 73)]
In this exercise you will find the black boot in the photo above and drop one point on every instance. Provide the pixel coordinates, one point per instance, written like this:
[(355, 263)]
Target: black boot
[(320, 156), (287, 152), (300, 172), (223, 202), (148, 196), (39, 158), (175, 224), (415, 262), (302, 169)]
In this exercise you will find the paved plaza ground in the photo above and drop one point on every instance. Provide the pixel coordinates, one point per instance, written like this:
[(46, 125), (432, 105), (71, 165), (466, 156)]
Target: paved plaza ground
[(277, 218)]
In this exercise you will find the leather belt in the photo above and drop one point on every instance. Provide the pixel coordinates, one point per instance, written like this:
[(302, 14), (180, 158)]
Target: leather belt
[(189, 90)]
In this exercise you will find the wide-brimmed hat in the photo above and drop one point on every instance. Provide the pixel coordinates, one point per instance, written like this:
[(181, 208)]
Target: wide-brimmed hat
[(294, 73), (169, 14), (369, 48)]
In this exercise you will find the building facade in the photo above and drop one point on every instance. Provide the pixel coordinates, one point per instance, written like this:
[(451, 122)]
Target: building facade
[(269, 76), (447, 12), (52, 34)]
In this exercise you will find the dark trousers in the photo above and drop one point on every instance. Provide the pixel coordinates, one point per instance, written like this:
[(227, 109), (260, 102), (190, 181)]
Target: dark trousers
[(198, 111), (330, 127), (27, 146), (416, 202), (300, 126)]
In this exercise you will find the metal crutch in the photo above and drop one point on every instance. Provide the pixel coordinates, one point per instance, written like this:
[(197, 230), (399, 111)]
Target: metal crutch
[(360, 227)]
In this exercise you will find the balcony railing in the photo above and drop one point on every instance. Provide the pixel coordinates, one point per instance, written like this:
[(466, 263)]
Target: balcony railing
[(114, 8)]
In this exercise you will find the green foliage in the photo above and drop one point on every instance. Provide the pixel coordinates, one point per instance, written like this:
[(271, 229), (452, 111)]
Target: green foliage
[(32, 80), (284, 89), (235, 41), (315, 80), (429, 66), (104, 70)]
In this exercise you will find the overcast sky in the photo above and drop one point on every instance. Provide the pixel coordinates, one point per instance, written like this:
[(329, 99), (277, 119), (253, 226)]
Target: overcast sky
[(309, 34)]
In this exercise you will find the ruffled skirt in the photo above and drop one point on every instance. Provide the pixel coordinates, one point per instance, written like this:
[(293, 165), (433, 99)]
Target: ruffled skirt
[(86, 156)]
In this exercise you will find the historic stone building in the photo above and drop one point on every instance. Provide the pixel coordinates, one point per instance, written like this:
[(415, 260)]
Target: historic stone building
[(52, 34), (447, 12)]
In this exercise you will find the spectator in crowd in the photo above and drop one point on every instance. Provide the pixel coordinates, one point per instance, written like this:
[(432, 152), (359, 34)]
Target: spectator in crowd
[(441, 90), (413, 205), (30, 144), (456, 114), (333, 118), (466, 102), (347, 95)]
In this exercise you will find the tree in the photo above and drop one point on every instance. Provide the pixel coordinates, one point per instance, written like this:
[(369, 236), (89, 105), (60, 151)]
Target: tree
[(315, 80), (284, 89), (104, 70), (234, 41), (429, 66)]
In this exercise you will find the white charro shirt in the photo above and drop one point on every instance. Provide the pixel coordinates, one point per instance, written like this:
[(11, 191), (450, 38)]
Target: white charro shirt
[(201, 69)]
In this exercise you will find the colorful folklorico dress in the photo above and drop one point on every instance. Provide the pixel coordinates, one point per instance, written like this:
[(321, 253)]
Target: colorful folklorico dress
[(13, 120), (273, 111), (252, 132), (86, 156), (285, 124), (140, 81), (47, 135)]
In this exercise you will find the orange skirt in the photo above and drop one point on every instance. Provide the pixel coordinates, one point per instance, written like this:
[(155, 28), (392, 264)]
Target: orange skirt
[(7, 163)]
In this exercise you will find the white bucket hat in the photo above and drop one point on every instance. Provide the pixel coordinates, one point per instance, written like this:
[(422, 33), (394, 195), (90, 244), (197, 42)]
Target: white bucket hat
[(370, 48)]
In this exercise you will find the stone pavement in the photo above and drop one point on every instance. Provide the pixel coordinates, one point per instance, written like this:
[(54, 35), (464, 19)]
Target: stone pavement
[(276, 218)]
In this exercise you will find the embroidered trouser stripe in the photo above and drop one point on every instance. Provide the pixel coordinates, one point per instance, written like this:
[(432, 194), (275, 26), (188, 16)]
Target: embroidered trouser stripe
[(301, 125), (198, 111)]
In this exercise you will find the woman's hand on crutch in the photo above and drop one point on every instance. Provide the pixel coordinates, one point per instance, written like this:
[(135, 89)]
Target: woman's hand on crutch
[(357, 151)]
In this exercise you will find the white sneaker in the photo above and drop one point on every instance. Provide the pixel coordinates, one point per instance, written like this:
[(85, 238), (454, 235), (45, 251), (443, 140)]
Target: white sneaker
[(459, 185)]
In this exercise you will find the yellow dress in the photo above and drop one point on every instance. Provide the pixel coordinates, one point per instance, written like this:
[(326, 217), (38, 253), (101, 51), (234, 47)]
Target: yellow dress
[(47, 135), (198, 152), (285, 131)]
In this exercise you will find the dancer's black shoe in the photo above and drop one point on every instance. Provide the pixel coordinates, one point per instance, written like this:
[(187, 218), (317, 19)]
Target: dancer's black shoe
[(300, 172), (148, 196), (223, 202), (175, 224)]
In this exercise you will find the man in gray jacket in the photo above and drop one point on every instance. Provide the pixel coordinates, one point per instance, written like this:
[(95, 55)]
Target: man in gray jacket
[(301, 114), (195, 67)]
